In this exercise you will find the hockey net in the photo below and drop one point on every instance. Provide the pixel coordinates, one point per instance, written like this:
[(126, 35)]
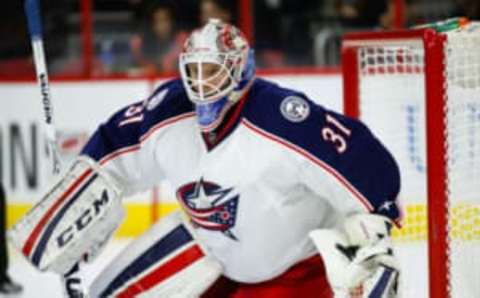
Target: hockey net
[(419, 91)]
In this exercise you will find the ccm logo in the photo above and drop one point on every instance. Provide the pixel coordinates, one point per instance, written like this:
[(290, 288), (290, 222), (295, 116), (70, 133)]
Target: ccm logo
[(83, 220)]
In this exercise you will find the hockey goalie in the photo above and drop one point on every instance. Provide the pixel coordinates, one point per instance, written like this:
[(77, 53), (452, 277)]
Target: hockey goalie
[(281, 197)]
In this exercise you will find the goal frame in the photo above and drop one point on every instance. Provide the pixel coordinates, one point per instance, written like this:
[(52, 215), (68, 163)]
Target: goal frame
[(437, 199)]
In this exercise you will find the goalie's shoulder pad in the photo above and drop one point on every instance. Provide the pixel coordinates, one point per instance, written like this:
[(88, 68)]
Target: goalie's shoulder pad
[(78, 212), (133, 124)]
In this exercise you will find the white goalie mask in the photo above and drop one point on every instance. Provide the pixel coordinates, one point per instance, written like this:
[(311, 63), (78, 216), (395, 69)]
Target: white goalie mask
[(217, 67)]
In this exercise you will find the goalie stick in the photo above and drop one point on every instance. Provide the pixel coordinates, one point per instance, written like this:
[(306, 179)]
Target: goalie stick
[(32, 11), (34, 26)]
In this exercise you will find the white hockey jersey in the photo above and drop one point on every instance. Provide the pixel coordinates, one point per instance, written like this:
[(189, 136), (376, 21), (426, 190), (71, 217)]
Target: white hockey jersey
[(282, 166)]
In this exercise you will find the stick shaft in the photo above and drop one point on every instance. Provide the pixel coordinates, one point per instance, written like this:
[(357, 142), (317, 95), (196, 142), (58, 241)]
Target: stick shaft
[(34, 26)]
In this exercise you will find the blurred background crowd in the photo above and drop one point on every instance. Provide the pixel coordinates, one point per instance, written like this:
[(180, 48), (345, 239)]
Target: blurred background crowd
[(143, 37)]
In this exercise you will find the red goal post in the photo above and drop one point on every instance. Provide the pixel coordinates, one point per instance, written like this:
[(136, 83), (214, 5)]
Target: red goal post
[(419, 91)]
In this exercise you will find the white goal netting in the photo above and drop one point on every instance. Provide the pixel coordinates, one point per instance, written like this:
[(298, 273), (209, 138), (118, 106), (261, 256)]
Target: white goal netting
[(392, 88), (463, 154)]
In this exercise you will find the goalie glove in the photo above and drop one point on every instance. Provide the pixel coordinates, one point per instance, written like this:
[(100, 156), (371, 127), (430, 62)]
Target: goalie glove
[(76, 217), (359, 257)]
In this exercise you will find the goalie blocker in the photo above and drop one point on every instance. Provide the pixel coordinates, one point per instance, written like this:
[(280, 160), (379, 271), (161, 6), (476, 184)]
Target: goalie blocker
[(76, 217)]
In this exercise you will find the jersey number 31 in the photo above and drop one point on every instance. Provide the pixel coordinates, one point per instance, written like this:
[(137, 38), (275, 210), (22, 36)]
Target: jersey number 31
[(336, 133)]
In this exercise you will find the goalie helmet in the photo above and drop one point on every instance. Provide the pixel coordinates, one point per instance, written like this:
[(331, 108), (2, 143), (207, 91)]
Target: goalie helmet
[(217, 67)]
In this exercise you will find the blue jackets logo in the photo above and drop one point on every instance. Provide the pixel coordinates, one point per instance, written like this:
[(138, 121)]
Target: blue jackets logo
[(210, 206)]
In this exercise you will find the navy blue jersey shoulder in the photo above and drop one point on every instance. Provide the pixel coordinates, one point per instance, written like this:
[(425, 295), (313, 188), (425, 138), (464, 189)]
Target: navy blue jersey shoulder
[(125, 128), (345, 144)]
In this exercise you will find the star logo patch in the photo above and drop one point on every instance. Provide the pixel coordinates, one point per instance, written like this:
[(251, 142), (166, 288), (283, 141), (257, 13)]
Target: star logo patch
[(210, 206)]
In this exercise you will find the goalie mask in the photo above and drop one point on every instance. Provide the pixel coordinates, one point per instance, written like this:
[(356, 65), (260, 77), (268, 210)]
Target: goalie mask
[(217, 67)]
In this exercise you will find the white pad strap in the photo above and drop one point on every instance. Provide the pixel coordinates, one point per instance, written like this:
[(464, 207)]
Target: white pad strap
[(166, 261), (77, 215)]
